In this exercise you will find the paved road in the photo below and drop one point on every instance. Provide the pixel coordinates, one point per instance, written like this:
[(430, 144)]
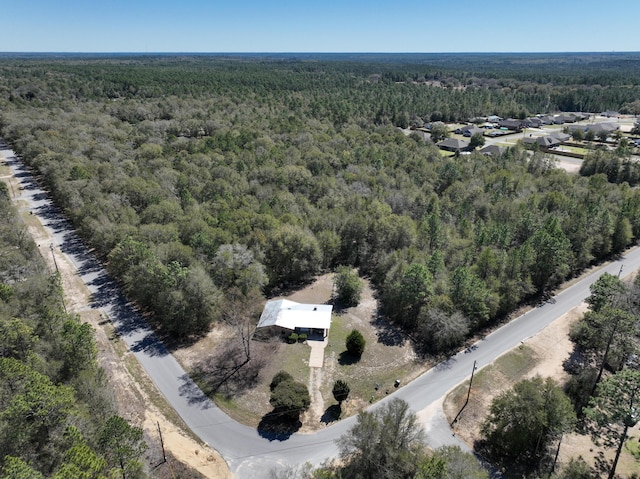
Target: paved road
[(248, 454)]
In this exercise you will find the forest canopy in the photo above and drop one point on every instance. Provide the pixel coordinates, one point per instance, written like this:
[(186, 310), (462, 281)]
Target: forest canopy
[(199, 177), (55, 402)]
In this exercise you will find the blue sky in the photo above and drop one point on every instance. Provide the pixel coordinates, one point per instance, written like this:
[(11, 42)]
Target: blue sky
[(319, 26)]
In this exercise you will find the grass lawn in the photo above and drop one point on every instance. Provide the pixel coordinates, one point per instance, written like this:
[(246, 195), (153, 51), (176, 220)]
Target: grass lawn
[(294, 359), (381, 364), (362, 375)]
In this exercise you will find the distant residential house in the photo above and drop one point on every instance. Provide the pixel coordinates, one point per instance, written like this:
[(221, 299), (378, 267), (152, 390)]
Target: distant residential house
[(580, 116), (511, 124), (558, 120), (454, 144), (534, 122), (561, 136), (469, 130), (572, 128), (492, 150), (543, 141), (494, 119), (546, 120), (284, 317), (597, 128), (472, 131), (611, 114)]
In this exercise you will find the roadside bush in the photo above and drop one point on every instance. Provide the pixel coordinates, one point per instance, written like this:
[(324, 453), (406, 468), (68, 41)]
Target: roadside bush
[(302, 337), (355, 343), (290, 398), (292, 338), (340, 390), (280, 376)]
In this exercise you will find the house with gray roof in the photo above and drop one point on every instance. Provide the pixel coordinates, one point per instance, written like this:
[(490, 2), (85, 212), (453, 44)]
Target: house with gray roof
[(469, 130), (534, 122), (454, 144), (602, 127), (492, 150), (563, 118), (512, 124), (561, 136), (543, 142), (596, 128)]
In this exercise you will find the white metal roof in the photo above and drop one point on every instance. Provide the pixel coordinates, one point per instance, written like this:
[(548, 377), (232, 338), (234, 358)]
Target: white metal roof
[(290, 315)]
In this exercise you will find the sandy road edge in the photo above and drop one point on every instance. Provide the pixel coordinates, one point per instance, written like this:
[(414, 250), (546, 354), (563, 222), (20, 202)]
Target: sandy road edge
[(133, 399)]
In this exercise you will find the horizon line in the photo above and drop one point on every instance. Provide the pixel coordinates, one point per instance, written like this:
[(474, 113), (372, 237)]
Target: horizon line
[(69, 52)]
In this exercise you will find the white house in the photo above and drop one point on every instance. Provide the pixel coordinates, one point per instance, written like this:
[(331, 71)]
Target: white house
[(286, 316)]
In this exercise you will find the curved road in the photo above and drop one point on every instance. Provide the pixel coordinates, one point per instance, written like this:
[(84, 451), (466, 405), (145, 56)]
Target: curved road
[(248, 454)]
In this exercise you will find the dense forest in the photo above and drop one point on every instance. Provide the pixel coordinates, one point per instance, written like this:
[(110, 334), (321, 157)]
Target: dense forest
[(57, 413), (201, 179)]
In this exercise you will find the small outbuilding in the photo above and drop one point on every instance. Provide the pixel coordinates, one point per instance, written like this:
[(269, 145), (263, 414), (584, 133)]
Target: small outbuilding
[(283, 317)]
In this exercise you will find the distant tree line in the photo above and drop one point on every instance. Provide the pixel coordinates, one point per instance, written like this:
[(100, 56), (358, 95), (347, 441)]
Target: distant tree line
[(200, 179)]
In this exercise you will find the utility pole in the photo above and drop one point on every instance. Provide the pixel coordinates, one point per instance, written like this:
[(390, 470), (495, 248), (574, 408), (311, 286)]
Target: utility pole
[(164, 456), (471, 382), (64, 306), (555, 459), (630, 420), (54, 258), (455, 419)]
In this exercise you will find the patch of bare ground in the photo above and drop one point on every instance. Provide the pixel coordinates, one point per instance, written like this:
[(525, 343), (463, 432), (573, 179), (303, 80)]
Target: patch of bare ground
[(541, 355), (136, 397)]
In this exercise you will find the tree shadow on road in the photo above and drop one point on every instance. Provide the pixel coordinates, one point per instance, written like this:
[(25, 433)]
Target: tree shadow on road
[(276, 426), (151, 345), (193, 393), (331, 414)]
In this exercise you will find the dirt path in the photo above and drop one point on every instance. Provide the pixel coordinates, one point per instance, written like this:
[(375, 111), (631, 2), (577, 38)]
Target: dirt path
[(136, 396), (317, 403)]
